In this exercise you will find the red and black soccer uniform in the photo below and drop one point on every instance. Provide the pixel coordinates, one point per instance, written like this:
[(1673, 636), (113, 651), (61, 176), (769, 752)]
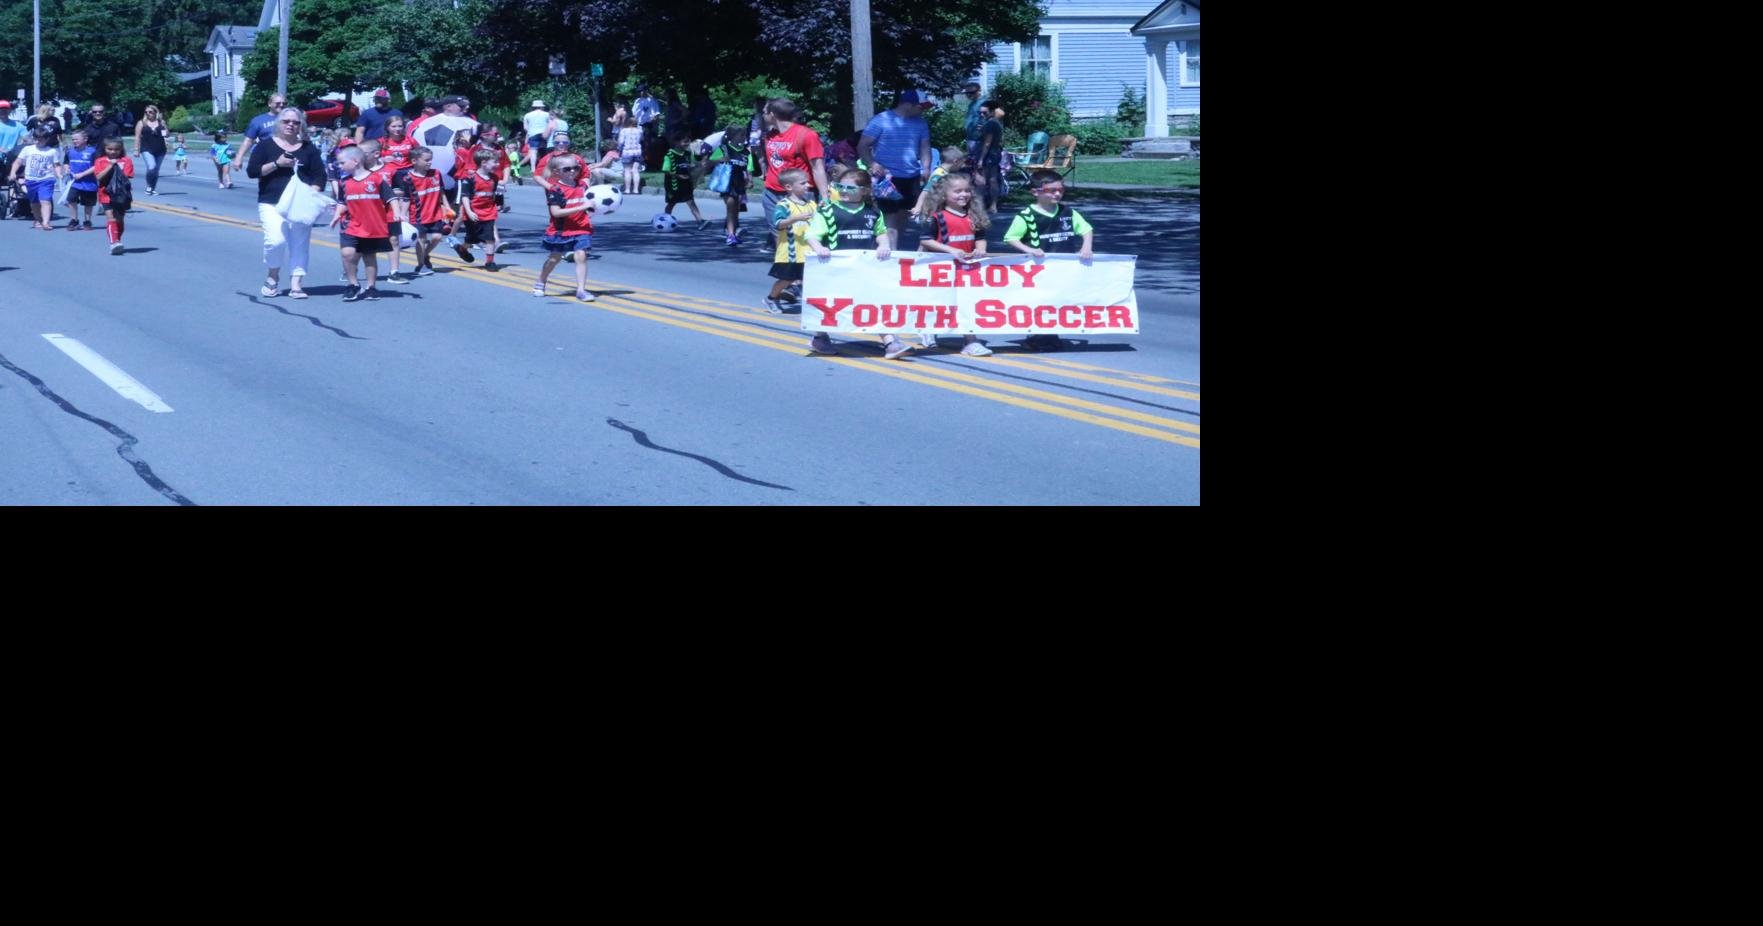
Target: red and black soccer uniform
[(423, 193), (498, 167), (395, 155), (954, 230), (570, 232), (482, 194), (363, 214)]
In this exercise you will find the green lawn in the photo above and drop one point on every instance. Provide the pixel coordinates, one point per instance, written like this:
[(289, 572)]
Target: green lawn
[(1150, 173)]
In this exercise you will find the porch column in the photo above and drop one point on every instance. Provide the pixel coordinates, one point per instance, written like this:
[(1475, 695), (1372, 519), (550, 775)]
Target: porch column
[(1156, 87)]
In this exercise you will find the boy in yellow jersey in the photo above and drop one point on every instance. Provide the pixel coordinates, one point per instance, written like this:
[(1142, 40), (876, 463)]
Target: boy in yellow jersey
[(789, 218)]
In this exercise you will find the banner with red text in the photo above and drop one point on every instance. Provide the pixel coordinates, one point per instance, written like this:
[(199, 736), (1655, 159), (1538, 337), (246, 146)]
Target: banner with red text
[(911, 293)]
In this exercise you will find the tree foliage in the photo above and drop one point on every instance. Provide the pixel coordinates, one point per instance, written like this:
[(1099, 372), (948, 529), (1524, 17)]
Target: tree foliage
[(121, 52)]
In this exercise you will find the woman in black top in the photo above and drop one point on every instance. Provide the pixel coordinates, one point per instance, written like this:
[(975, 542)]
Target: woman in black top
[(150, 145), (287, 154), (46, 117)]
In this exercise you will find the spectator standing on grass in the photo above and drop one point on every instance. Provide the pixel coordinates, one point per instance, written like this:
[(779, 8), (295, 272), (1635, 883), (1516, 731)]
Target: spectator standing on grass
[(990, 156), (535, 122), (896, 144)]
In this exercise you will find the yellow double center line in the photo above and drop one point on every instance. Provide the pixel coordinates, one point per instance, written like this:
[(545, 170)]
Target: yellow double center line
[(789, 339)]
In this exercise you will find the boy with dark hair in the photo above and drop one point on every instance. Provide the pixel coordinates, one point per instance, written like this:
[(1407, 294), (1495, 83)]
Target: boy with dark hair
[(477, 206), (676, 175), (1049, 227), (421, 185), (84, 192)]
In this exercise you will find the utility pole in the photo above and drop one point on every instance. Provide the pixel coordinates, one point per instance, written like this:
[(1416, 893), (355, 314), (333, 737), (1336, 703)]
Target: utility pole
[(862, 80), (281, 64), (37, 53)]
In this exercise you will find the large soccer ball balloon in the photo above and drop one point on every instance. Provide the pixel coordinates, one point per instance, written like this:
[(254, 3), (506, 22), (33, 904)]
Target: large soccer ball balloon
[(663, 222), (606, 198)]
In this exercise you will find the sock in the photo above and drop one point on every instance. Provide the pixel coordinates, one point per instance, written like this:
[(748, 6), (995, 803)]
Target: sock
[(110, 228)]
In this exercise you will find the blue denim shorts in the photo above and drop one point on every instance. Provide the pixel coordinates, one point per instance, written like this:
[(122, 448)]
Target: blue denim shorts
[(564, 244)]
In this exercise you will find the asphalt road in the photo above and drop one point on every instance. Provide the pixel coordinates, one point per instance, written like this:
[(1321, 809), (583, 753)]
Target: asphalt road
[(463, 389)]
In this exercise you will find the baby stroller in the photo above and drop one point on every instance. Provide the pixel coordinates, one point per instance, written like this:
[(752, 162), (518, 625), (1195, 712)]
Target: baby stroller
[(14, 202)]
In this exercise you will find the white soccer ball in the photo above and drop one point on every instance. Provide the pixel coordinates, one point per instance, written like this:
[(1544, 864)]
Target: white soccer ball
[(606, 198), (663, 222)]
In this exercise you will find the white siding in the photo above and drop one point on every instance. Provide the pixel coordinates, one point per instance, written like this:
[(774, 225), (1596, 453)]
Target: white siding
[(1094, 65), (1183, 101), (1137, 11)]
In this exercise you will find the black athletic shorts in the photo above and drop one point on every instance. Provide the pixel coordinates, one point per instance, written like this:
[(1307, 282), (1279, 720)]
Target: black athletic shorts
[(909, 188), (430, 228), (365, 245), (82, 197), (480, 232), (786, 271)]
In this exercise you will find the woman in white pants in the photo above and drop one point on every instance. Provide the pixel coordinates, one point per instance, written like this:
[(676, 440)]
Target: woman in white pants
[(287, 156)]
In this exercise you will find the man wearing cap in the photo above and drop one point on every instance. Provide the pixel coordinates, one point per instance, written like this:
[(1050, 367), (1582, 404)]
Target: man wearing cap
[(372, 123), (534, 123), (11, 133), (972, 125), (262, 126), (897, 142)]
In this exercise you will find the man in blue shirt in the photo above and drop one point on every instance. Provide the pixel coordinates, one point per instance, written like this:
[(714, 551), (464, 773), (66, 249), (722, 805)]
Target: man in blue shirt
[(11, 133), (372, 123), (262, 126), (972, 125), (897, 142)]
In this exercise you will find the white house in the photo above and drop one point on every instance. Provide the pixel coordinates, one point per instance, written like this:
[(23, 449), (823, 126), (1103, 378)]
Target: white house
[(1096, 49), (227, 48)]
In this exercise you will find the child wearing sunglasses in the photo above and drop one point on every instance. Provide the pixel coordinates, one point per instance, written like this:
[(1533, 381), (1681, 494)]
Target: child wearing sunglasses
[(852, 223), (571, 230)]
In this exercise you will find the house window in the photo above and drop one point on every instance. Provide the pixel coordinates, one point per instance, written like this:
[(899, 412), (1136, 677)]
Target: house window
[(229, 64), (1037, 57), (226, 105), (1190, 64), (215, 62)]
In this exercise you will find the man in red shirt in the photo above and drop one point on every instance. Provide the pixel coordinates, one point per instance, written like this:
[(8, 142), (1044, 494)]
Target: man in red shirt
[(363, 214), (789, 147)]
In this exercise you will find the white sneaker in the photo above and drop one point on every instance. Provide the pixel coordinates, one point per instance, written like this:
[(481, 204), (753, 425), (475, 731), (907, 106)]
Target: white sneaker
[(538, 289), (976, 349), (927, 340), (893, 347), (584, 295)]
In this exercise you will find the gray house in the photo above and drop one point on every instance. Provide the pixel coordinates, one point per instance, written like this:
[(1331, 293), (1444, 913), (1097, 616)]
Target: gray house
[(1097, 48), (227, 47)]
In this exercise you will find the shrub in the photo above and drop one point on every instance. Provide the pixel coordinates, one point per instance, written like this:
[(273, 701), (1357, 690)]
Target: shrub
[(179, 120), (1131, 111), (1105, 138), (1031, 103)]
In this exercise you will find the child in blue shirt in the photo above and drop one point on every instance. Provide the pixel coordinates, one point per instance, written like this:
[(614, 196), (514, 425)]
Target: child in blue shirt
[(84, 191), (222, 155), (181, 155)]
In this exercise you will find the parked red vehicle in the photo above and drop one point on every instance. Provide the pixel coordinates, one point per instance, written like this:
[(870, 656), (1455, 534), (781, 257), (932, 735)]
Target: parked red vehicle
[(332, 113)]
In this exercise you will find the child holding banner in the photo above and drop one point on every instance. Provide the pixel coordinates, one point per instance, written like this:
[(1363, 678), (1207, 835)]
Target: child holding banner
[(853, 222), (1049, 226), (959, 230)]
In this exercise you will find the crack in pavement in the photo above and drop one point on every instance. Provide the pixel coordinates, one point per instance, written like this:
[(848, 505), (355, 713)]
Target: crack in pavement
[(340, 332), (644, 441), (126, 449)]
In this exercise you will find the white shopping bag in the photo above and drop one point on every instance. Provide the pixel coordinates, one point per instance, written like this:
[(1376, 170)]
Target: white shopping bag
[(406, 235), (302, 204), (62, 185)]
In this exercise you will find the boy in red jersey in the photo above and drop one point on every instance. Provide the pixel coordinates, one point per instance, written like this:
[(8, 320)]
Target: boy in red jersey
[(363, 212), (571, 230), (420, 186), (477, 207)]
